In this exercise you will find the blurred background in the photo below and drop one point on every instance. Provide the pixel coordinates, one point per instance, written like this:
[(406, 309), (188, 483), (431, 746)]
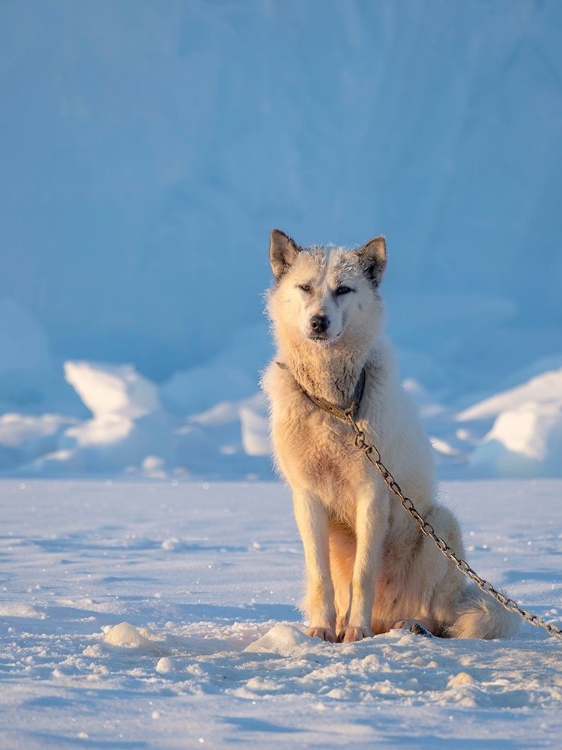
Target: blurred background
[(146, 151)]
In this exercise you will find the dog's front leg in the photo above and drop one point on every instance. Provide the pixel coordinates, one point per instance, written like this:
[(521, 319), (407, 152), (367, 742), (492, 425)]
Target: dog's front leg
[(312, 520), (371, 523)]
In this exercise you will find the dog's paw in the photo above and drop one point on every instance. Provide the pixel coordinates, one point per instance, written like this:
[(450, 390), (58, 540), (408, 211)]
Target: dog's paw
[(413, 626), (325, 634), (350, 634)]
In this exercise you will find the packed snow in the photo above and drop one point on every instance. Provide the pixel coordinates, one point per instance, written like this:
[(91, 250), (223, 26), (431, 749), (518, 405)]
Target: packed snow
[(164, 614)]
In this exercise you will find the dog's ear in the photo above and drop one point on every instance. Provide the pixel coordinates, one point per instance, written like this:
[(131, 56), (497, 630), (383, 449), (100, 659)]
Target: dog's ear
[(372, 257), (282, 252)]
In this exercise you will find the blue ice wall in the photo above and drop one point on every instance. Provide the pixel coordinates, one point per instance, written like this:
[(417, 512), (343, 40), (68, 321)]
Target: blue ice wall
[(147, 148)]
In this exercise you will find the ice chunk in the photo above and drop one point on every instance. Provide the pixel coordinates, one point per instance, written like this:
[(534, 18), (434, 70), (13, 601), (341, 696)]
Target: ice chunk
[(112, 389), (231, 375), (521, 429), (19, 430), (255, 427), (201, 388), (524, 441), (539, 389)]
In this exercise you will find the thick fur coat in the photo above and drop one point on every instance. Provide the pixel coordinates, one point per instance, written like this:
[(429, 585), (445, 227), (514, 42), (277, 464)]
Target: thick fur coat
[(369, 567)]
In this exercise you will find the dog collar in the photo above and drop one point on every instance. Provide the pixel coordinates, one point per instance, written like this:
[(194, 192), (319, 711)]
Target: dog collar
[(326, 405)]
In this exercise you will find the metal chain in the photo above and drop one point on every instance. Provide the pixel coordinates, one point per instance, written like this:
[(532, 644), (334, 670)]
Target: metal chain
[(373, 455)]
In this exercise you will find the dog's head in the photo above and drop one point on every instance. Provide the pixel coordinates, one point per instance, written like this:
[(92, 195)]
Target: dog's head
[(327, 295)]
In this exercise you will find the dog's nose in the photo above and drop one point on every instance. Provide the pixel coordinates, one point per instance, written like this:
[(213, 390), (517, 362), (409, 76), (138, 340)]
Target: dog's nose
[(319, 323)]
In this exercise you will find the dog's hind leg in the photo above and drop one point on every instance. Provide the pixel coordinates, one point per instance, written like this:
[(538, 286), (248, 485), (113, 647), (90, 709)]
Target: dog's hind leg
[(461, 610), (419, 587), (413, 626)]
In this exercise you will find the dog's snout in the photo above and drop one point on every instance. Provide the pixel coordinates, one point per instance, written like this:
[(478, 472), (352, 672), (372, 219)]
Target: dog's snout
[(319, 323)]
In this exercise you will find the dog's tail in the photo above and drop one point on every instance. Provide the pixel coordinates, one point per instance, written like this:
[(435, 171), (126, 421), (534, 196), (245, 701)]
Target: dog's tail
[(480, 616)]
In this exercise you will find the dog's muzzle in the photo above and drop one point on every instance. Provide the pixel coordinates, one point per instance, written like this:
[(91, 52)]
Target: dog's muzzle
[(319, 325)]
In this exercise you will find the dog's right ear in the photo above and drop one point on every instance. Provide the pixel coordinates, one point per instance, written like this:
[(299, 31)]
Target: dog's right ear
[(282, 252)]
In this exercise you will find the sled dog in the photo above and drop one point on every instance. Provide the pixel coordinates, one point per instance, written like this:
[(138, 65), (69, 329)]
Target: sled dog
[(369, 567)]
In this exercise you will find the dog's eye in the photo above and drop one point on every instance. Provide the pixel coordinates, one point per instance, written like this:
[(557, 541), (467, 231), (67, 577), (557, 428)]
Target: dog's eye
[(305, 288), (343, 290)]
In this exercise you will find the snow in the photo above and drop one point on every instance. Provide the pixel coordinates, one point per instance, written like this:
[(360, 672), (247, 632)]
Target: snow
[(24, 438), (524, 441), (525, 437), (543, 388), (164, 615), (281, 639), (107, 390), (126, 635), (135, 426)]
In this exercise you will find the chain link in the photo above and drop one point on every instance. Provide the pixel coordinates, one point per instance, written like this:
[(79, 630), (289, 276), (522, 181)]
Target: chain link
[(373, 455)]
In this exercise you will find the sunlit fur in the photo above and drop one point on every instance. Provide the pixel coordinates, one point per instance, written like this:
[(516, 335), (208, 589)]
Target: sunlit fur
[(368, 565)]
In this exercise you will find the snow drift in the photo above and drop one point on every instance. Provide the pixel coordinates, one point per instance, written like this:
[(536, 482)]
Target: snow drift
[(526, 435)]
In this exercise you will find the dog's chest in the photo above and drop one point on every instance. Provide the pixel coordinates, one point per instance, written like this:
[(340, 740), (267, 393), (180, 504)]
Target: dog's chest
[(317, 452)]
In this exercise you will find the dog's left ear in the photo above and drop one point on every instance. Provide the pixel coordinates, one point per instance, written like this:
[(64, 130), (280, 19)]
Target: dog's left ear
[(282, 252), (372, 257)]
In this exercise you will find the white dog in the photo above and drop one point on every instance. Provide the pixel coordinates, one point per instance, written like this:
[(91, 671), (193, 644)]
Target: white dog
[(369, 567)]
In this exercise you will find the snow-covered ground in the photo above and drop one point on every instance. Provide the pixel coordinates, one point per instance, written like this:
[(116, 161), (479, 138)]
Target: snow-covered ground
[(163, 614)]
